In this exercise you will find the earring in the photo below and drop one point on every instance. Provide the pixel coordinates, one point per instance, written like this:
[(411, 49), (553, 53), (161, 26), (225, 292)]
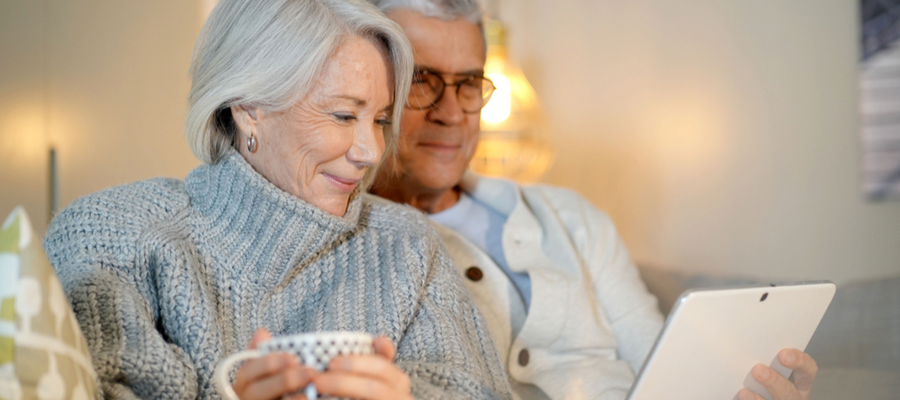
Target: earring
[(251, 143)]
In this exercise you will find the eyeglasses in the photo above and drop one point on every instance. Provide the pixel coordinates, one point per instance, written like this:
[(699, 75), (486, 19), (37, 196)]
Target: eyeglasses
[(472, 91)]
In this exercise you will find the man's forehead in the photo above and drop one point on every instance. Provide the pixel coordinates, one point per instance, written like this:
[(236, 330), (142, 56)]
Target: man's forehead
[(427, 68), (454, 46)]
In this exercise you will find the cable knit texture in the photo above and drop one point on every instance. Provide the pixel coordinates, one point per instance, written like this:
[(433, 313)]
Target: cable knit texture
[(167, 278)]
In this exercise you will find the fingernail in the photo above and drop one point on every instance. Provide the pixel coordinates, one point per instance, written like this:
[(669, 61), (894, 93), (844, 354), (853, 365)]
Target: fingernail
[(743, 395), (789, 358), (763, 371)]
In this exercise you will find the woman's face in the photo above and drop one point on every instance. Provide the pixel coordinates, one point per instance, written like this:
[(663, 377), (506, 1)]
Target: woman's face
[(319, 149)]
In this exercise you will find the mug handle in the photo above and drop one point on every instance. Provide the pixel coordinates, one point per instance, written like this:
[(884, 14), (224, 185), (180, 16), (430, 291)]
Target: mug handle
[(221, 378)]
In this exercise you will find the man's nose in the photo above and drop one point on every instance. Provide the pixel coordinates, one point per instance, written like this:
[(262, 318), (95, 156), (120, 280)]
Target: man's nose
[(366, 150), (447, 110)]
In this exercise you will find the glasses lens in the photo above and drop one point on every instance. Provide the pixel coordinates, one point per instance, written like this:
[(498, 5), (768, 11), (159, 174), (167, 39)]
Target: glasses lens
[(471, 98), (425, 90)]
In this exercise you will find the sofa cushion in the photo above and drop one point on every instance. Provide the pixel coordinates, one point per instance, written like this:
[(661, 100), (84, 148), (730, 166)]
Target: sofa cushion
[(861, 328), (43, 354)]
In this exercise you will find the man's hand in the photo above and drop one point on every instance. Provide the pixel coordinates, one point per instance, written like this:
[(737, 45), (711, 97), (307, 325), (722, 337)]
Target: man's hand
[(797, 388)]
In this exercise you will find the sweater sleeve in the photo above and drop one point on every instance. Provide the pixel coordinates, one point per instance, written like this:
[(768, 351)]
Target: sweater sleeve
[(447, 349), (632, 311), (94, 248)]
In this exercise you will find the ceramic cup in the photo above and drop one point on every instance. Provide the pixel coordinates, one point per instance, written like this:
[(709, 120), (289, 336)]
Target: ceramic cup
[(314, 350)]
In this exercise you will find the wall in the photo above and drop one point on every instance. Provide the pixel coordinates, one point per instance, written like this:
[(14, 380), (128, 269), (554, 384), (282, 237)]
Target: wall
[(720, 135), (105, 82), (23, 109)]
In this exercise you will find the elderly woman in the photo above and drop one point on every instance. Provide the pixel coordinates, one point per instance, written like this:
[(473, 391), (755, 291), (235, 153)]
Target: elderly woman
[(290, 110)]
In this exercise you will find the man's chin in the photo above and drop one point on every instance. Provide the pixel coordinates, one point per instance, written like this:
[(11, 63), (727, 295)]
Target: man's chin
[(438, 179)]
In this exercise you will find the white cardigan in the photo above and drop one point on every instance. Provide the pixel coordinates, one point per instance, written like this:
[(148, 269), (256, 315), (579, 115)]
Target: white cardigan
[(591, 321)]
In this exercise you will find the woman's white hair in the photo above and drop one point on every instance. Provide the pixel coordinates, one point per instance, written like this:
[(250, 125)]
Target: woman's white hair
[(443, 9), (270, 53)]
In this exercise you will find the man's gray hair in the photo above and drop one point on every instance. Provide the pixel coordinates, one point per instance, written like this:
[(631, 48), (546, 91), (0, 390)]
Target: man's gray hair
[(443, 9), (270, 53)]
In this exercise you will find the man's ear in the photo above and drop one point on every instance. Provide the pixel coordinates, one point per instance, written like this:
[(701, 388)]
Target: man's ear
[(246, 118)]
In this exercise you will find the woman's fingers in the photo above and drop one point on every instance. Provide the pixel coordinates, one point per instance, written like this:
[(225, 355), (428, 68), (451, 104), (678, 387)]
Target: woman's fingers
[(261, 335), (343, 384), (804, 366), (385, 348), (262, 368), (255, 369), (285, 382), (364, 377), (373, 367)]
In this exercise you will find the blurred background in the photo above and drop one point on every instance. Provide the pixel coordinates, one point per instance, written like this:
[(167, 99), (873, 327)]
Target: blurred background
[(720, 135)]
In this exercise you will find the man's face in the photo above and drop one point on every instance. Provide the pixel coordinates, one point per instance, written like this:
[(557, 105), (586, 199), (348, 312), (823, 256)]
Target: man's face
[(436, 144)]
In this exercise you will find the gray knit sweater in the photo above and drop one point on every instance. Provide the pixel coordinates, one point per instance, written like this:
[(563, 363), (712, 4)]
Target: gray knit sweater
[(167, 278)]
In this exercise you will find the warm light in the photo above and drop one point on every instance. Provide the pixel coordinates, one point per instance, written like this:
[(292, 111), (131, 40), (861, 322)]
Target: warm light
[(497, 110), (24, 140), (513, 131)]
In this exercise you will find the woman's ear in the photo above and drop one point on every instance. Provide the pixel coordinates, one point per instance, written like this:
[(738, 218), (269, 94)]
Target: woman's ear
[(246, 119)]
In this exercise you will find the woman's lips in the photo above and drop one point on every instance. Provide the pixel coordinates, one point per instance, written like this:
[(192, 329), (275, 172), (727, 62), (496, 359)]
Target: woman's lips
[(345, 184)]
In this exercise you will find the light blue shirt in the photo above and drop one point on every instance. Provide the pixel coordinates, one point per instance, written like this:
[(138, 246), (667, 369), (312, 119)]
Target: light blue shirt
[(483, 226)]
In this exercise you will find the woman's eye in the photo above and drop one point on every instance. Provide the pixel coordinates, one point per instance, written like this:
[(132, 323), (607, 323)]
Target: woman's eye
[(383, 122), (344, 117)]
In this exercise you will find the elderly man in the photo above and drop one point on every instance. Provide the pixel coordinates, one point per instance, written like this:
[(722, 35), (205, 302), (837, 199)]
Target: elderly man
[(565, 305)]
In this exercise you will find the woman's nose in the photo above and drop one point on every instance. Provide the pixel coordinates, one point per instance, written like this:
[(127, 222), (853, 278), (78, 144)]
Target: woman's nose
[(367, 148)]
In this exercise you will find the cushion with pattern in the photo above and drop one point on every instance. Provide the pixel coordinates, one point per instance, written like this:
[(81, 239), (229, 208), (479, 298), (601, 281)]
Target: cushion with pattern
[(43, 354)]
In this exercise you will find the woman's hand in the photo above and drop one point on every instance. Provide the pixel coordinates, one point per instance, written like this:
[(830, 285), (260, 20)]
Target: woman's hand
[(797, 388), (373, 377), (272, 376)]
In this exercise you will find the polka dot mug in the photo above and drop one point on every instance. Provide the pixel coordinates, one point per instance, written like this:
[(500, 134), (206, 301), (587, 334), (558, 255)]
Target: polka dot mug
[(314, 350)]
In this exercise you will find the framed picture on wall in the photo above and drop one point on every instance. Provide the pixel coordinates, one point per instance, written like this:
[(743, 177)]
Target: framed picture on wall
[(880, 98)]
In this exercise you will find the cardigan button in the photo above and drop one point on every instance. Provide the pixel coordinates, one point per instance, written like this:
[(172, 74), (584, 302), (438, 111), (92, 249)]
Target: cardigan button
[(474, 274), (524, 357)]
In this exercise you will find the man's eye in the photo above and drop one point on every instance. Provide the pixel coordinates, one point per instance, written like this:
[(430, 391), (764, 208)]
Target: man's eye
[(472, 83), (424, 78)]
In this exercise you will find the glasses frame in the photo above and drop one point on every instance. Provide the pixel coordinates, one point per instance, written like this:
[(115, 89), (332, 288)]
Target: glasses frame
[(458, 83)]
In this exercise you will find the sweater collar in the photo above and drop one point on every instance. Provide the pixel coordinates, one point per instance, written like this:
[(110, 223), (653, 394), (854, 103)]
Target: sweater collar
[(249, 222)]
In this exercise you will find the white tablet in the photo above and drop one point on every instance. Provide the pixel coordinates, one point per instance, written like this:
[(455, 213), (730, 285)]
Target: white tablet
[(713, 337)]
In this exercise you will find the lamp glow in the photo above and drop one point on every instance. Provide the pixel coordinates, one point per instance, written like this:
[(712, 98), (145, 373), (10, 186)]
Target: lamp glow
[(497, 110), (513, 131)]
